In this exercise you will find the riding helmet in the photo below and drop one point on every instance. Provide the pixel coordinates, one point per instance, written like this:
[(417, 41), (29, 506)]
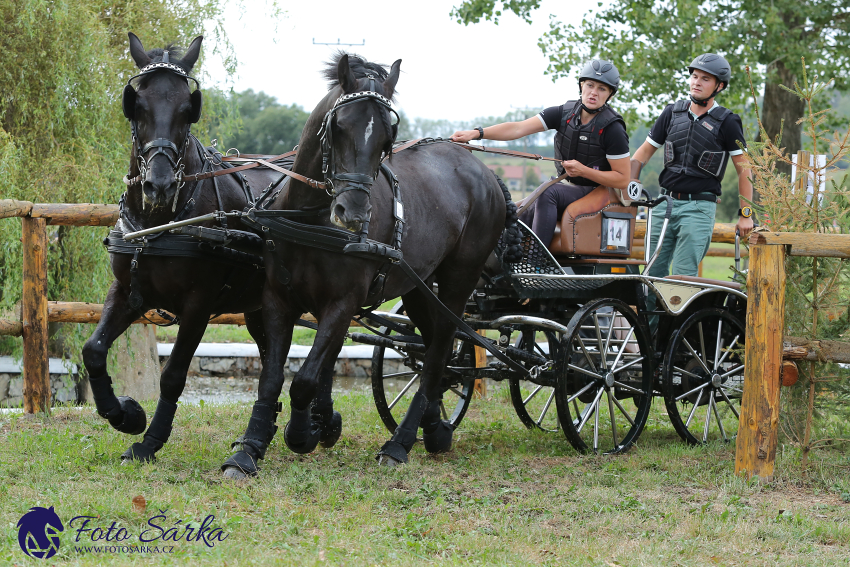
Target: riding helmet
[(713, 64), (602, 71)]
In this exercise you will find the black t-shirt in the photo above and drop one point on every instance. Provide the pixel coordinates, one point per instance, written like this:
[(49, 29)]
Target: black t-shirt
[(615, 140), (731, 131)]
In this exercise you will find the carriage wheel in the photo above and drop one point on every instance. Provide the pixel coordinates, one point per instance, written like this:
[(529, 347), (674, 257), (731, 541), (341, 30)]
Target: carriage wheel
[(703, 376), (395, 378), (604, 386), (535, 403)]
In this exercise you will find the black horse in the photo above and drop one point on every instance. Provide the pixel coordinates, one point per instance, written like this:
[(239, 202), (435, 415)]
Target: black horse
[(454, 211), (169, 272)]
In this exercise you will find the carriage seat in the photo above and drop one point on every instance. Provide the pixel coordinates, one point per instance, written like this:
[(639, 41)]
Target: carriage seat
[(580, 230)]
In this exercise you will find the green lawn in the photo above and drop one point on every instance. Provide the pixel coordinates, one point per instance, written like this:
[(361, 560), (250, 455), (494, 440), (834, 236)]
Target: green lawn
[(503, 495)]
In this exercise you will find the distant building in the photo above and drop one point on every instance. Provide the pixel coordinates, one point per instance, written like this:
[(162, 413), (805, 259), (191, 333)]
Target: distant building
[(513, 176)]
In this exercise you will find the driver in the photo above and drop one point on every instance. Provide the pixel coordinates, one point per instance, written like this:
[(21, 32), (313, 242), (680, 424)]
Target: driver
[(590, 139)]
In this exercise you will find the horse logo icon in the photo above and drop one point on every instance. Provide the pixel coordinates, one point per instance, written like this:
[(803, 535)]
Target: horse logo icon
[(38, 532)]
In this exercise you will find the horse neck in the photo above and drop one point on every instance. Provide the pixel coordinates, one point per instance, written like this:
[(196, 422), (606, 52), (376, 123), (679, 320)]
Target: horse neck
[(308, 161)]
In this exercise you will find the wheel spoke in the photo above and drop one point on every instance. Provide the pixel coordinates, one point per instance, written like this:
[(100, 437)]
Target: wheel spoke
[(686, 394), (629, 388), (624, 412), (728, 350), (622, 349), (694, 409), (443, 411), (580, 392), (403, 391), (596, 428), (602, 360), (531, 395), (610, 395), (728, 401), (584, 371), (708, 416), (586, 354), (628, 365), (719, 340), (685, 372), (608, 338), (588, 410), (456, 392), (546, 407), (720, 422), (702, 342), (733, 371), (695, 355)]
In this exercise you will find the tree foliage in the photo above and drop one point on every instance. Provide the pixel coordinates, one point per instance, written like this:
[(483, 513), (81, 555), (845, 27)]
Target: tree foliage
[(63, 138), (266, 126), (653, 41)]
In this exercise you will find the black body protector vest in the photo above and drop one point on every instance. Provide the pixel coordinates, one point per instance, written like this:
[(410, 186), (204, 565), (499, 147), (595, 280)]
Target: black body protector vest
[(693, 146), (583, 142)]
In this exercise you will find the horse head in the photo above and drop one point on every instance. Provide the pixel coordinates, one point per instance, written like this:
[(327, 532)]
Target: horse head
[(161, 108), (357, 133)]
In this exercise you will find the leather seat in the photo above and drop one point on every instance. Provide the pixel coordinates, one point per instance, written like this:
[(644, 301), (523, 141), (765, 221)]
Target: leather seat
[(580, 230)]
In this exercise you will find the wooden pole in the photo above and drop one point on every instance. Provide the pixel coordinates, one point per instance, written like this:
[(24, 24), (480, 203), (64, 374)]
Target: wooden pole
[(480, 362), (34, 316), (759, 421)]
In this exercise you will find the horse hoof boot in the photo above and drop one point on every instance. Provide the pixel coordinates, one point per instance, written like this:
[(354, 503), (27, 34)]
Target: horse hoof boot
[(138, 453), (133, 418), (331, 430), (440, 439), (301, 441), (239, 466), (391, 454)]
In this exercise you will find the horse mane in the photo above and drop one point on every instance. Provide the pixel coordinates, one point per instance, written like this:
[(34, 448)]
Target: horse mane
[(175, 56), (359, 66)]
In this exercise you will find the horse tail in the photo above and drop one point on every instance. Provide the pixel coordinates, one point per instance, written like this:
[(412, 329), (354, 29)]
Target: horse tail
[(512, 237)]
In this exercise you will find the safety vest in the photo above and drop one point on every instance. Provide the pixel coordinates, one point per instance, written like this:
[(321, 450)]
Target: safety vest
[(583, 142), (693, 146)]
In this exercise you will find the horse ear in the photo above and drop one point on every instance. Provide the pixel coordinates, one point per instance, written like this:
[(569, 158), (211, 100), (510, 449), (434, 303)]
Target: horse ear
[(389, 84), (197, 105), (192, 53), (137, 52), (128, 102), (346, 77)]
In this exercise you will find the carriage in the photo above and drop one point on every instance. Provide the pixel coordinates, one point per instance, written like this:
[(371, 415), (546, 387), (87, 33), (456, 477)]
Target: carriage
[(577, 316)]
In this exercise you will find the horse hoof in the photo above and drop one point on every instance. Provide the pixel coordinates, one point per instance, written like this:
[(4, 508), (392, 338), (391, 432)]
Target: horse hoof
[(234, 473), (392, 454), (301, 441), (133, 418), (440, 439), (387, 461), (240, 465), (331, 431), (138, 453)]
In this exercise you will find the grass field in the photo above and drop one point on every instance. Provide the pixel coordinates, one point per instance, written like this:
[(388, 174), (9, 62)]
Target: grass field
[(503, 495)]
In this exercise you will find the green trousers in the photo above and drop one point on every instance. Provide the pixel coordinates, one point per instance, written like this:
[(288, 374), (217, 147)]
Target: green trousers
[(685, 243), (687, 238)]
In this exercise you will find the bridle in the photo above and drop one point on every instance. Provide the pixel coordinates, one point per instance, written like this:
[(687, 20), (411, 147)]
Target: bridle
[(162, 146), (356, 181)]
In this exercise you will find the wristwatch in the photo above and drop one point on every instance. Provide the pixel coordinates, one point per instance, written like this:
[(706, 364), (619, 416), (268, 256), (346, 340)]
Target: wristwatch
[(480, 132), (745, 212)]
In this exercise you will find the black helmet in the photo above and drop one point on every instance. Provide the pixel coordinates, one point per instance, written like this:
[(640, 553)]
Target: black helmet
[(713, 64), (602, 71)]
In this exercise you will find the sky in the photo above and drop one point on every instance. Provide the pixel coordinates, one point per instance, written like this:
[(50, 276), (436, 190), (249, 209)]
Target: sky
[(449, 71)]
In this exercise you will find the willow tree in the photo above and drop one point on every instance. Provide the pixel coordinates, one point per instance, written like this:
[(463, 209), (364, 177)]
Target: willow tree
[(653, 41), (63, 138)]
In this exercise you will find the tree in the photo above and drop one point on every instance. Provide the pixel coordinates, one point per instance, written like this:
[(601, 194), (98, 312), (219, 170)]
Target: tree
[(653, 41), (267, 126)]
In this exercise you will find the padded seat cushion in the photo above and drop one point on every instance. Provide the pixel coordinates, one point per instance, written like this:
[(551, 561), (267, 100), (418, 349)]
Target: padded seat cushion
[(580, 230)]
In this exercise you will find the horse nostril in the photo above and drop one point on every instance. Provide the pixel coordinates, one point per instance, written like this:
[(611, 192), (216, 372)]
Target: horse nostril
[(339, 212)]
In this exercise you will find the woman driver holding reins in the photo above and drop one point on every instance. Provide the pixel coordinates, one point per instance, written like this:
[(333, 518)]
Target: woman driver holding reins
[(591, 141)]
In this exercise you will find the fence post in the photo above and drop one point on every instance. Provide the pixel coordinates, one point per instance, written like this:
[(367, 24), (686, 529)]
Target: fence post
[(34, 315), (480, 387), (759, 421)]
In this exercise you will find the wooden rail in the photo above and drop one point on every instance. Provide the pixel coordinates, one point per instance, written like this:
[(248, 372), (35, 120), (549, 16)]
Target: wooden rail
[(765, 345)]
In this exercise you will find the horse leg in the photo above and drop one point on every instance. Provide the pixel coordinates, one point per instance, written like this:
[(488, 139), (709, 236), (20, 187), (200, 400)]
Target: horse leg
[(193, 323), (309, 423), (424, 410), (124, 413), (278, 321)]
